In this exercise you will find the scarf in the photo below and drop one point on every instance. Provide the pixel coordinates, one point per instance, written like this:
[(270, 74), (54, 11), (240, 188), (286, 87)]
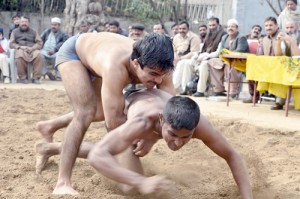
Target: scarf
[(212, 40)]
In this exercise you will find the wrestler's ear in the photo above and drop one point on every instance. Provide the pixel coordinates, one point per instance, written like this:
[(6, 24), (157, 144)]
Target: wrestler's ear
[(136, 63)]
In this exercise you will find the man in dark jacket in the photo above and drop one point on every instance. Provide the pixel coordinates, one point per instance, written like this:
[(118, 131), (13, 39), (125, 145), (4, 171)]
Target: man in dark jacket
[(53, 38)]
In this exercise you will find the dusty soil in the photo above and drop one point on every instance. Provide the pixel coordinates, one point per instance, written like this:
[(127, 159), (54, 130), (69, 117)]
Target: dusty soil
[(271, 154)]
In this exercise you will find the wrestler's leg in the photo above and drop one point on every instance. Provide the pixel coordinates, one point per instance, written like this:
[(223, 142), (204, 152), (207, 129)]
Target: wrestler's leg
[(49, 127), (44, 150), (79, 88)]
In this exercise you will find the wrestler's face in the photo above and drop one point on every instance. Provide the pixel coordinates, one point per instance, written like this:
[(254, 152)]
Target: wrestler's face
[(175, 139), (150, 77)]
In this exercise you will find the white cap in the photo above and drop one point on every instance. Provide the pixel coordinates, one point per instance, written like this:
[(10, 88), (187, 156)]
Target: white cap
[(55, 20), (232, 21)]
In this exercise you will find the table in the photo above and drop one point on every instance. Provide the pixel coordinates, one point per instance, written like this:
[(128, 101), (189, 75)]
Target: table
[(281, 72)]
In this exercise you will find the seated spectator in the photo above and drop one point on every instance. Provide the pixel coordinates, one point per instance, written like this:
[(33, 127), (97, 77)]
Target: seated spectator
[(53, 38), (186, 43), (3, 57), (137, 32), (233, 41), (253, 42), (85, 27), (159, 28), (287, 44), (202, 32), (16, 20), (199, 62), (174, 30), (114, 27), (28, 44)]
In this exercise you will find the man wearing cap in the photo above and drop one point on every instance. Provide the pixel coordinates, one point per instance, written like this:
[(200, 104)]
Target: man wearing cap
[(233, 41), (28, 44), (53, 38), (137, 32)]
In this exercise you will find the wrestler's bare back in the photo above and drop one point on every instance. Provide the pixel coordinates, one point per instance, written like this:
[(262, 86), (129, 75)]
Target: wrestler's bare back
[(147, 104), (104, 50)]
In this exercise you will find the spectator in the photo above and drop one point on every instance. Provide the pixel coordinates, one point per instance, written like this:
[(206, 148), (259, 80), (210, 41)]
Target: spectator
[(3, 57), (114, 27), (253, 42), (202, 32), (199, 62), (137, 32), (16, 21), (28, 44), (291, 11), (174, 30), (159, 28), (85, 27), (53, 38), (233, 41), (286, 44), (185, 44)]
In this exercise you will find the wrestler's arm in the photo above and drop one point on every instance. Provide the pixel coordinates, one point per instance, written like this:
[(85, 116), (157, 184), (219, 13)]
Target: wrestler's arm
[(167, 84), (212, 138), (102, 156), (113, 100)]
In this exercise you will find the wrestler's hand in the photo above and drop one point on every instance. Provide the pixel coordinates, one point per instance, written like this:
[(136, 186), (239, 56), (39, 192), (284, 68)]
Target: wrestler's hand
[(143, 147), (157, 187)]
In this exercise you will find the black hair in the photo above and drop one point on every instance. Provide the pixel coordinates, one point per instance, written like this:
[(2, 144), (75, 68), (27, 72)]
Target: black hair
[(260, 28), (114, 23), (154, 51), (214, 19), (295, 1), (175, 24), (181, 113), (184, 22), (203, 26), (271, 19)]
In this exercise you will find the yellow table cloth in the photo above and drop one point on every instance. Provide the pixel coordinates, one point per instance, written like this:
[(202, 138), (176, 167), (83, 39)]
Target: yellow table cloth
[(274, 74)]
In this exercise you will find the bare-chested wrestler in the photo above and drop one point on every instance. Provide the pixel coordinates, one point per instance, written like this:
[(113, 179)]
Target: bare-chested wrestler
[(94, 69), (154, 115)]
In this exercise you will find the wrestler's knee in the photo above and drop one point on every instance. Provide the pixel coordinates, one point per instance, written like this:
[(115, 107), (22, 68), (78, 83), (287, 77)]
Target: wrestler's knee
[(85, 114)]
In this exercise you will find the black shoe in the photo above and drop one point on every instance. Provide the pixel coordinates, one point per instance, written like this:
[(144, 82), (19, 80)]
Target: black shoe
[(36, 81), (183, 93), (24, 81), (234, 96), (198, 94), (219, 94), (249, 100), (277, 106)]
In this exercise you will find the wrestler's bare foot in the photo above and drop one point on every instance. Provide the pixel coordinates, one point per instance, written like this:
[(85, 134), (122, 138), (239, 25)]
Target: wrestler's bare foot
[(64, 189), (46, 130), (41, 157)]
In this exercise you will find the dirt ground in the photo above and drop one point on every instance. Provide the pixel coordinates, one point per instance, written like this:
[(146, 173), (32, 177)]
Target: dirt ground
[(268, 142)]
